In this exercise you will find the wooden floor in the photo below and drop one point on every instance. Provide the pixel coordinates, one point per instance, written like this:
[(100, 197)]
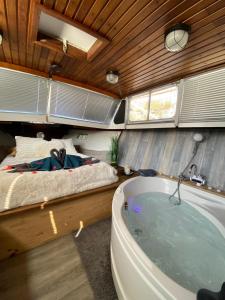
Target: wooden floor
[(53, 271)]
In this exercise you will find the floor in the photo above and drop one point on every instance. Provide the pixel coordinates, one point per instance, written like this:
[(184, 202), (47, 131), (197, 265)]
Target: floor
[(66, 268)]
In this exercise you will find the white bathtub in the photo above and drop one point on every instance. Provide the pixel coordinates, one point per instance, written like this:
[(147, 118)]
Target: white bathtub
[(135, 275)]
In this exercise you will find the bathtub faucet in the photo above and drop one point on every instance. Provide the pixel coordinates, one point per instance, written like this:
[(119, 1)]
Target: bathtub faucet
[(194, 177)]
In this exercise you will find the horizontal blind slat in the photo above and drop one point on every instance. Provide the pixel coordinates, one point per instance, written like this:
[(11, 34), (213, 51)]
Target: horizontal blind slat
[(204, 98), (76, 103), (22, 93)]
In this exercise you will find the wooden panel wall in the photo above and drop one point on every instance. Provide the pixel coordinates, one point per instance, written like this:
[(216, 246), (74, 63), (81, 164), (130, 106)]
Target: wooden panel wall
[(168, 151)]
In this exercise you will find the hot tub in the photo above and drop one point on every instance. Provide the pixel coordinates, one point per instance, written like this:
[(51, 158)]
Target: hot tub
[(160, 250)]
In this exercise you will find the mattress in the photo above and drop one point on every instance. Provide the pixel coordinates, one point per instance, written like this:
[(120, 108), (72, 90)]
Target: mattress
[(20, 189)]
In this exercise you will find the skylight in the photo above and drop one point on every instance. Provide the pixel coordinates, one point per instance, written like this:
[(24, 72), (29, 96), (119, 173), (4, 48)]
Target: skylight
[(56, 28)]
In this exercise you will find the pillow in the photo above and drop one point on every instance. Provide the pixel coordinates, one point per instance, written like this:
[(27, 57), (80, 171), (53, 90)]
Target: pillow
[(43, 149), (68, 145), (26, 146)]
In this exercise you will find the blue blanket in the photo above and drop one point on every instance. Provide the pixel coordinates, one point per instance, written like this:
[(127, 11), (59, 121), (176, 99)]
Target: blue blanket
[(57, 161)]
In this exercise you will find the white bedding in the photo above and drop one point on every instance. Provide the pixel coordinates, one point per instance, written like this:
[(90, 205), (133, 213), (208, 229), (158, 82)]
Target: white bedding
[(19, 189)]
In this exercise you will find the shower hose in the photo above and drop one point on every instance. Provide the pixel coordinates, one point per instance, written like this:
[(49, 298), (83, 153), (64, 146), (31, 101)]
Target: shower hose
[(181, 176)]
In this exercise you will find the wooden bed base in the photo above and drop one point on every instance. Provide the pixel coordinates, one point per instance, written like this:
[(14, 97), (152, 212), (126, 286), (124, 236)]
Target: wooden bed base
[(27, 227)]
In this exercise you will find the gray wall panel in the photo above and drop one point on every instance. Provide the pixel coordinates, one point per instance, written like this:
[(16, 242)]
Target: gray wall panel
[(169, 150)]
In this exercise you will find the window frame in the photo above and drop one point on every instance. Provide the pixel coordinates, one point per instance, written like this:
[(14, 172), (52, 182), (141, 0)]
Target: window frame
[(174, 119)]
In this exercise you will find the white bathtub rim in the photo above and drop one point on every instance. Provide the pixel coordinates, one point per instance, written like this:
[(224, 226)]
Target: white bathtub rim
[(171, 286), (152, 271), (116, 278), (161, 296), (148, 265)]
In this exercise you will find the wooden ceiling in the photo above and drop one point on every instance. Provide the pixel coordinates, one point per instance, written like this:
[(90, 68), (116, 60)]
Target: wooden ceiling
[(135, 30)]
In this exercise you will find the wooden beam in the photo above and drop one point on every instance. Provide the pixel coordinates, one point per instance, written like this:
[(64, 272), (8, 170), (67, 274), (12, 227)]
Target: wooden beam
[(32, 31), (85, 86), (58, 78), (96, 49), (22, 69)]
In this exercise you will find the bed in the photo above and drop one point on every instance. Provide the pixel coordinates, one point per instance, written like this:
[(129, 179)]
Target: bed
[(36, 207), (20, 189)]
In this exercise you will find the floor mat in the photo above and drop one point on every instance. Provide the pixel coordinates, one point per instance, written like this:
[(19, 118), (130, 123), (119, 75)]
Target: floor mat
[(93, 245)]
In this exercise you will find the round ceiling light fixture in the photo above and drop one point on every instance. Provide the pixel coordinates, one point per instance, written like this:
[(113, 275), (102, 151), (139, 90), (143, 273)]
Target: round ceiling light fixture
[(176, 37), (112, 77)]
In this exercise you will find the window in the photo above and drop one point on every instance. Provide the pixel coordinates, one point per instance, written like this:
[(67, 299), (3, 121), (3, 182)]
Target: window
[(154, 105), (163, 103), (138, 108)]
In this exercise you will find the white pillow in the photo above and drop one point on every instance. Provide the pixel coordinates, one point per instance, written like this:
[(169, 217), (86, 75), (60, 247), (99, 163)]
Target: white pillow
[(26, 146), (68, 145), (43, 149)]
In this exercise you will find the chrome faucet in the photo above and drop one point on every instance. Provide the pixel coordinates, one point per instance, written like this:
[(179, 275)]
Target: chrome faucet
[(194, 177)]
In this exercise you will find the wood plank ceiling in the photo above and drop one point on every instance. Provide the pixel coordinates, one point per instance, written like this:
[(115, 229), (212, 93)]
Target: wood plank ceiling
[(135, 29)]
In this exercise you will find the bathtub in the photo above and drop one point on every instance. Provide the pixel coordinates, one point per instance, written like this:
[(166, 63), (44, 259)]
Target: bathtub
[(137, 276)]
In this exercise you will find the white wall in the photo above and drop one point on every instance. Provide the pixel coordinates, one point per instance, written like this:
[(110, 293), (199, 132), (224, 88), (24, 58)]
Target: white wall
[(97, 140)]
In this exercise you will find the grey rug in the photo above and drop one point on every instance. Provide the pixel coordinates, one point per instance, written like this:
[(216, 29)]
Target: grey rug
[(93, 245)]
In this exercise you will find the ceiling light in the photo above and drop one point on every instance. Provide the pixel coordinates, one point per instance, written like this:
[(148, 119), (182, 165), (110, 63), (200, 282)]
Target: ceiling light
[(112, 77), (1, 38), (176, 37)]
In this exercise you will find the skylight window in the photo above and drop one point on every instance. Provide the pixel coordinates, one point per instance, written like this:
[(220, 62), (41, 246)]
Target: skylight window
[(56, 28)]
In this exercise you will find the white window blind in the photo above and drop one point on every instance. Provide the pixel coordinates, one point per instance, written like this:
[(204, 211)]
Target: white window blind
[(71, 102), (23, 96), (203, 100), (67, 101)]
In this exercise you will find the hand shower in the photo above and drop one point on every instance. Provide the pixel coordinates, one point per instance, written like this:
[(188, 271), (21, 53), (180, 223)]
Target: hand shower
[(198, 138)]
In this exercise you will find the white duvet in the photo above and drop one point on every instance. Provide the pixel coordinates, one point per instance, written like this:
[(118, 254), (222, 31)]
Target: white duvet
[(28, 188)]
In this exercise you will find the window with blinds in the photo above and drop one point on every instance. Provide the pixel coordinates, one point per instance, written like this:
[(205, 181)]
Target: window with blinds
[(203, 100), (22, 96), (70, 102)]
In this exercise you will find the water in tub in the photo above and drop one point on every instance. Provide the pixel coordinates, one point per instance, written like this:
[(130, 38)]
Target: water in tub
[(182, 242)]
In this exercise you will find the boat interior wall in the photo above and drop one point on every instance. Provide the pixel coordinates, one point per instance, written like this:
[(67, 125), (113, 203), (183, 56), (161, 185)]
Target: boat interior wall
[(9, 130), (6, 139), (168, 152), (93, 142)]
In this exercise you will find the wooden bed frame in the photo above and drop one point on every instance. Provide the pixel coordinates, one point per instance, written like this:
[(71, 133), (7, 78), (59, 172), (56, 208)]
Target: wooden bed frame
[(27, 227)]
